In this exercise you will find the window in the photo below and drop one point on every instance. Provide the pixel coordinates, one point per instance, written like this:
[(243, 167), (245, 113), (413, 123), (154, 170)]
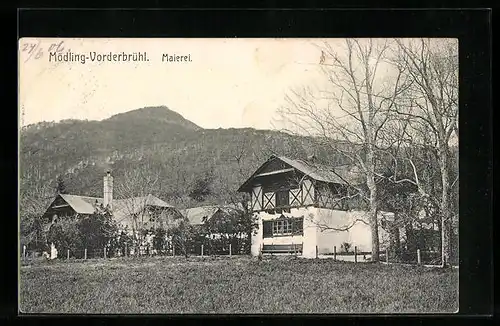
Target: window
[(282, 201), (283, 227), (282, 198)]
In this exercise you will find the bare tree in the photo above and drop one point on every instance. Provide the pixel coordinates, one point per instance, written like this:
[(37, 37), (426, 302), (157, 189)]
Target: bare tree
[(430, 106), (176, 179), (352, 107), (34, 198), (133, 190)]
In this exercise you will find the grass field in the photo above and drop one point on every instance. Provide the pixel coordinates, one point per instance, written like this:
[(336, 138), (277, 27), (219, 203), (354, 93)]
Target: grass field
[(171, 285)]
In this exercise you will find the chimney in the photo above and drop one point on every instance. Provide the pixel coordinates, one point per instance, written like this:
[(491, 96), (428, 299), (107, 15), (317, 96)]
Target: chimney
[(108, 190)]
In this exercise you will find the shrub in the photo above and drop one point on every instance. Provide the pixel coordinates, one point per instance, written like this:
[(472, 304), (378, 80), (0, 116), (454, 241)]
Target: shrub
[(345, 247), (182, 236), (76, 234), (159, 240)]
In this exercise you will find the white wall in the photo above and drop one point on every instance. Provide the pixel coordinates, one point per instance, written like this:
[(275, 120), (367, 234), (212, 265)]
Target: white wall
[(310, 232), (257, 237), (327, 239), (309, 246), (358, 235)]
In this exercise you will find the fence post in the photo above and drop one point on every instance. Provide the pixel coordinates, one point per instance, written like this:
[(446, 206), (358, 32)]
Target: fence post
[(387, 255), (316, 251), (67, 254), (126, 249), (24, 252), (173, 249), (230, 250), (334, 253), (85, 254), (355, 254), (104, 252), (418, 257), (202, 250)]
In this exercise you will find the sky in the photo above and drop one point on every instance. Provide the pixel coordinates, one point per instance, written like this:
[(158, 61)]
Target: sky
[(228, 82)]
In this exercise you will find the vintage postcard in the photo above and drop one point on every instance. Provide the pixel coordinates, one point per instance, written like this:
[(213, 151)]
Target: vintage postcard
[(238, 176)]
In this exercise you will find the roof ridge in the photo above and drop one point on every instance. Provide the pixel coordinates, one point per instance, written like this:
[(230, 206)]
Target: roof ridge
[(205, 206), (81, 196), (318, 164)]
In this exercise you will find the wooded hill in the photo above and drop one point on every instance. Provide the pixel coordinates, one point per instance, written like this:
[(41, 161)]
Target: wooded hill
[(194, 166)]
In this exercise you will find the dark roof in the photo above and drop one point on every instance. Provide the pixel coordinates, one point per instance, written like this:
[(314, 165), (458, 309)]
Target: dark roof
[(344, 174), (82, 204), (122, 208), (198, 215), (86, 204)]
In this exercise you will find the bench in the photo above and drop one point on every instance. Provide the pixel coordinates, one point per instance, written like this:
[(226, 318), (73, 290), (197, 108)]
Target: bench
[(282, 249)]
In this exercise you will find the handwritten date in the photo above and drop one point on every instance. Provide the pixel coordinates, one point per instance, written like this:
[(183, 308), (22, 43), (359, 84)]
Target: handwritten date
[(36, 51)]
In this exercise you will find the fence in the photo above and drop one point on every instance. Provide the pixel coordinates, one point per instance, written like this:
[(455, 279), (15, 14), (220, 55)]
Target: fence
[(418, 257), (223, 249), (168, 249)]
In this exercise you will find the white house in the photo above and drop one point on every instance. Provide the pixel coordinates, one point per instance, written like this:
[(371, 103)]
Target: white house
[(309, 208), (142, 212)]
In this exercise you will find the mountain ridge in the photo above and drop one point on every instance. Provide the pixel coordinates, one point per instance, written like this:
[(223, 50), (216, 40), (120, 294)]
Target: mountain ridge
[(152, 141), (161, 113)]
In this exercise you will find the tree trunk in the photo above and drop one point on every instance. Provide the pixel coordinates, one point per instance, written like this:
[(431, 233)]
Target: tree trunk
[(374, 229), (395, 237), (372, 214), (440, 230), (445, 209)]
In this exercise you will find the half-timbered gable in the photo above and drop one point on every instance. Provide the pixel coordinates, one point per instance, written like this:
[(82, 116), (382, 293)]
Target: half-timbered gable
[(332, 196), (282, 183), (294, 199)]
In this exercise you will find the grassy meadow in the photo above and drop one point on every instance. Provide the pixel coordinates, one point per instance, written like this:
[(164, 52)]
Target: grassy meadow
[(173, 285)]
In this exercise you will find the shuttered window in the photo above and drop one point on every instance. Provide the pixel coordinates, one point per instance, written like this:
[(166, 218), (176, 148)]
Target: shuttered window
[(269, 200), (307, 193), (298, 226), (295, 197), (267, 229), (256, 200)]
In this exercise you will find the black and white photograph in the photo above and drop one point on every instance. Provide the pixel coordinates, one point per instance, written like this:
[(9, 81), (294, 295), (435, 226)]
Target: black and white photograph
[(238, 175)]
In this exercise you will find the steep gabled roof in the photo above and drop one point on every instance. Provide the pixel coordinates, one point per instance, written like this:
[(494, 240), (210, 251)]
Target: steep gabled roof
[(86, 204), (137, 203), (82, 204), (344, 174), (123, 209), (316, 171), (198, 215)]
